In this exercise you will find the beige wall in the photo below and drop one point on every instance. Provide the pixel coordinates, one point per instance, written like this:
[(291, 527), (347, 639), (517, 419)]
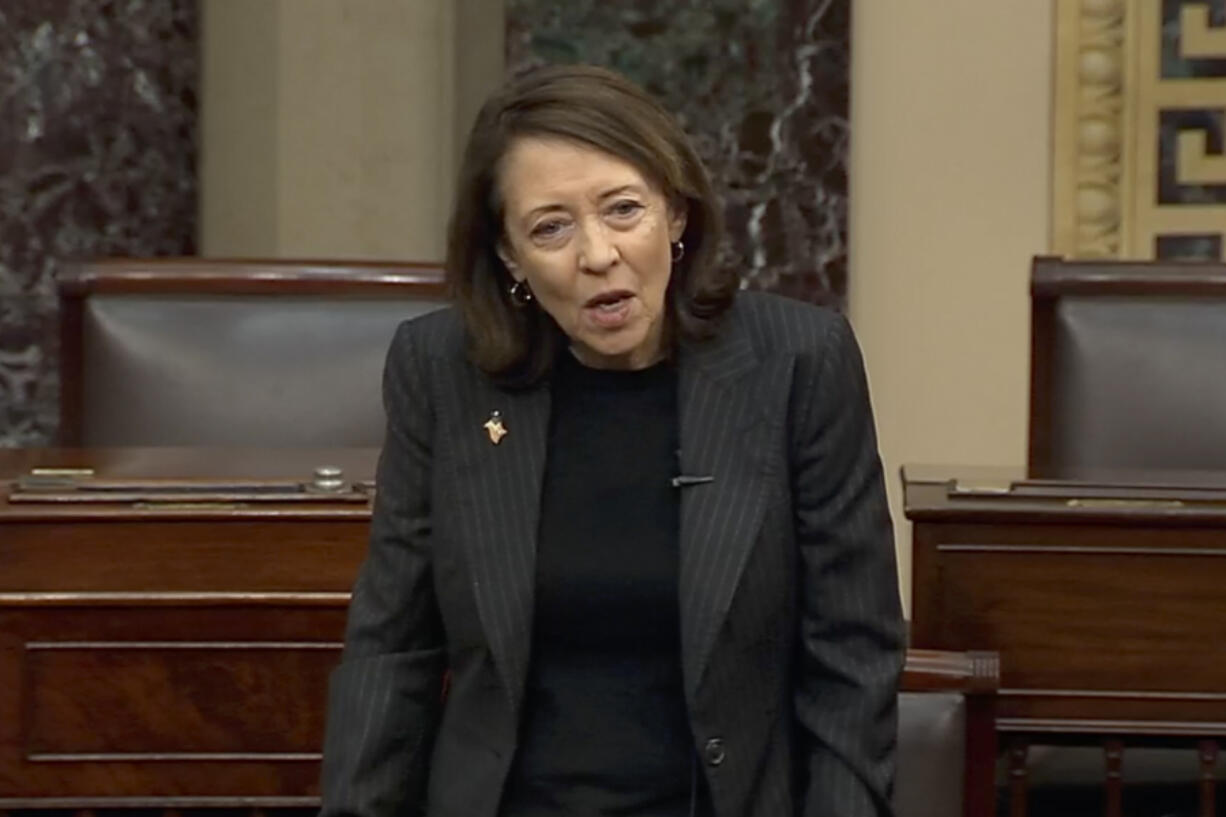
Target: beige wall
[(237, 165), (949, 193), (330, 128)]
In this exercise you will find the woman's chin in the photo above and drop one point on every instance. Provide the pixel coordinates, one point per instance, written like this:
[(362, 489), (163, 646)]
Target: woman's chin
[(615, 352)]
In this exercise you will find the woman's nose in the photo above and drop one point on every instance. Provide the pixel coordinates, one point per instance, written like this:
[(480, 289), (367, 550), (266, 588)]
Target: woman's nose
[(597, 252)]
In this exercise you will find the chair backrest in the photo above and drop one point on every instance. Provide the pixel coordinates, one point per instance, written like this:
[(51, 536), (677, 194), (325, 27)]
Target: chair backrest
[(165, 352), (1128, 366)]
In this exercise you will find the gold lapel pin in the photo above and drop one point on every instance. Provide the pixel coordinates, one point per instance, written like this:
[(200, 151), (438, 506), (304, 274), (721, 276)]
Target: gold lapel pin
[(495, 428)]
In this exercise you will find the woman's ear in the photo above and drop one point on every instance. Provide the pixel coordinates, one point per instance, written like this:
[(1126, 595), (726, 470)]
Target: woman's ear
[(676, 221), (508, 259)]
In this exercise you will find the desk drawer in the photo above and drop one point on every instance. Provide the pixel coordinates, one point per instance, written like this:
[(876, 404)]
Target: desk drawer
[(165, 695), (189, 554), (1078, 607)]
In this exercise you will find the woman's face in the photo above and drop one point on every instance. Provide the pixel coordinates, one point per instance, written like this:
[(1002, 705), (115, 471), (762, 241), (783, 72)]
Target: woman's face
[(591, 237)]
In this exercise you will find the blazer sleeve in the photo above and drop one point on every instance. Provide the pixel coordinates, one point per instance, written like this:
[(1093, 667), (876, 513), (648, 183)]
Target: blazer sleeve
[(385, 696), (851, 632)]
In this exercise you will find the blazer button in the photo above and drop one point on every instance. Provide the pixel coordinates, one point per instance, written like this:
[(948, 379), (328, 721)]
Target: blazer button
[(714, 751)]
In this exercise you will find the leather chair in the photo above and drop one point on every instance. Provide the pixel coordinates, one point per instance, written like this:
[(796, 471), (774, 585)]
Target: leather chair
[(947, 735), (1128, 366), (166, 352), (1127, 373)]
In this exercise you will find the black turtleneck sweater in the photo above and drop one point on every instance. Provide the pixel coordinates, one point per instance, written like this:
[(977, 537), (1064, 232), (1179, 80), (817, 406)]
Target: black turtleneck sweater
[(605, 729)]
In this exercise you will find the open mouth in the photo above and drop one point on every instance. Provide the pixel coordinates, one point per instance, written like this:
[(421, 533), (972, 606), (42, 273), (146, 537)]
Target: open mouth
[(609, 301), (609, 311)]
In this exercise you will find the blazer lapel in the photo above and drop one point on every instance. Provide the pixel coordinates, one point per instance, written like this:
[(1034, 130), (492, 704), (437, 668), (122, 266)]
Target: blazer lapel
[(723, 430), (723, 435), (500, 487)]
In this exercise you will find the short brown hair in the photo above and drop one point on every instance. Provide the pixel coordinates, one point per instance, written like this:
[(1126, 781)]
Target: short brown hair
[(600, 108)]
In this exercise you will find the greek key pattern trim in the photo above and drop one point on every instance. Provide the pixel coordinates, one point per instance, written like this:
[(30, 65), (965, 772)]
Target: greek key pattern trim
[(1139, 132)]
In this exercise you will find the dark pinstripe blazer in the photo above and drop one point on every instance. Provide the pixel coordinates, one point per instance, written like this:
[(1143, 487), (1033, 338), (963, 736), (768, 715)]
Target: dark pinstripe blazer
[(790, 624)]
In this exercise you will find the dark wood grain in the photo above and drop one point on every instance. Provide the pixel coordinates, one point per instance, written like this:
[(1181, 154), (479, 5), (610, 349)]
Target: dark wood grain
[(1005, 497), (212, 696), (1106, 615), (976, 675), (1019, 750), (220, 276), (1208, 784), (1113, 752), (938, 671), (1098, 612), (1053, 276), (160, 657), (182, 700), (982, 749), (154, 657), (1039, 440)]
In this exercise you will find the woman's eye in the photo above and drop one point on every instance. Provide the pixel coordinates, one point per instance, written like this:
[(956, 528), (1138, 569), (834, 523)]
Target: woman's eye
[(626, 208), (547, 229)]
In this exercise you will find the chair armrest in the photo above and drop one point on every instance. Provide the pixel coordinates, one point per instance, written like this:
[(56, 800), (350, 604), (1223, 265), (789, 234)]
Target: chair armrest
[(971, 673), (948, 710)]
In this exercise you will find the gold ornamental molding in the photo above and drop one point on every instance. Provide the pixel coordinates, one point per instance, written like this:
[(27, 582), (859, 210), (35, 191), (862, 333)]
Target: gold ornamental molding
[(1139, 131)]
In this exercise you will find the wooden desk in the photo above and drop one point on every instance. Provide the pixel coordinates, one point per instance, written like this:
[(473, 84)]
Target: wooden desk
[(1104, 597), (171, 652)]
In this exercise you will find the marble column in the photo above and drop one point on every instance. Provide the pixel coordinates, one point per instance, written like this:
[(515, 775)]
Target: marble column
[(762, 87), (97, 158)]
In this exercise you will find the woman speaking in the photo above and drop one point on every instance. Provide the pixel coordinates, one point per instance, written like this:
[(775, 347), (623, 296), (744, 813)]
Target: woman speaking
[(633, 516)]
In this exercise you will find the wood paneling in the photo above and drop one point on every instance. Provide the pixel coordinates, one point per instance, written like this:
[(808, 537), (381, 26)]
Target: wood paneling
[(153, 655), (156, 654), (1106, 614)]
